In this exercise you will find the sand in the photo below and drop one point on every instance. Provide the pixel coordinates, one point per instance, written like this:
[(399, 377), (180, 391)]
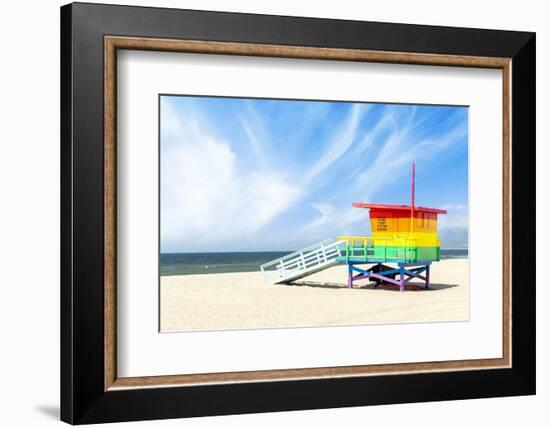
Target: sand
[(242, 300)]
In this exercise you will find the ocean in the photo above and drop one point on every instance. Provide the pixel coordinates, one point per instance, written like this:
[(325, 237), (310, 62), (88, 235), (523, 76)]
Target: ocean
[(197, 263)]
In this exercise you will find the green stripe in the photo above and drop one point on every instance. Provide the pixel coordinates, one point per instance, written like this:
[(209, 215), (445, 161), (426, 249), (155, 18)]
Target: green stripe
[(389, 253)]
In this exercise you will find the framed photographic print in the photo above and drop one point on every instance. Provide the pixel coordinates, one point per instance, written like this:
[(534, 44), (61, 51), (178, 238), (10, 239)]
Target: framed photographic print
[(265, 213)]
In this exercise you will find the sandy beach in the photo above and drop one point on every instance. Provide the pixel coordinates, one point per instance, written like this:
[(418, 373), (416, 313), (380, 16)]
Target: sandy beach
[(226, 301)]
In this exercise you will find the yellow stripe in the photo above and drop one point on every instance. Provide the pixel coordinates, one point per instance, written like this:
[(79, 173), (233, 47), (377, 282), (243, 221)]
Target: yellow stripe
[(418, 236), (391, 239)]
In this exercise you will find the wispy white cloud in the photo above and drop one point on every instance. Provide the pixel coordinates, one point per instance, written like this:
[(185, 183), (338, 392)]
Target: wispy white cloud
[(340, 141), (373, 134), (324, 211), (254, 129), (206, 197), (254, 141)]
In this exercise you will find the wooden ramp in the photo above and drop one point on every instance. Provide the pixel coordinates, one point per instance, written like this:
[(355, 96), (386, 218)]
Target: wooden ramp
[(302, 263)]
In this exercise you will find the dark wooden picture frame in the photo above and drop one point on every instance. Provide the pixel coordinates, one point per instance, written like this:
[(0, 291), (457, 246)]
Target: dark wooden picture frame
[(90, 389)]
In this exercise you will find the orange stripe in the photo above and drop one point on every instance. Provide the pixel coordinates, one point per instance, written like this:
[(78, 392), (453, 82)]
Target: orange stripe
[(402, 225)]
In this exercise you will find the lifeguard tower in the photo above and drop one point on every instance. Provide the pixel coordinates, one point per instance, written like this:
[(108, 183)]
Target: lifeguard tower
[(405, 235)]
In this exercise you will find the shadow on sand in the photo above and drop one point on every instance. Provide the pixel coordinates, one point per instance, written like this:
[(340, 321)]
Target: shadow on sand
[(371, 286)]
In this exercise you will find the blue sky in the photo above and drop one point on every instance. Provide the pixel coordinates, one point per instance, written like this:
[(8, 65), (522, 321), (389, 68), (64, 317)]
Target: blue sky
[(263, 175)]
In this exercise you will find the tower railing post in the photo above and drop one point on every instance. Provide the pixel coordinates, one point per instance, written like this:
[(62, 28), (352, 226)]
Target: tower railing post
[(263, 274)]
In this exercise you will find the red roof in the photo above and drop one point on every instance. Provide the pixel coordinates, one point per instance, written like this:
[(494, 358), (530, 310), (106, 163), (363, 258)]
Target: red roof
[(398, 208)]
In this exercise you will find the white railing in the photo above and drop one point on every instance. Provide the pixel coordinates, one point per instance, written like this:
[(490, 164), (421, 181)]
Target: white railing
[(298, 263)]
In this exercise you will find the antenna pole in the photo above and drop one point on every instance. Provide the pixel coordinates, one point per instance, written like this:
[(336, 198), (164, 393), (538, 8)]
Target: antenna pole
[(412, 192)]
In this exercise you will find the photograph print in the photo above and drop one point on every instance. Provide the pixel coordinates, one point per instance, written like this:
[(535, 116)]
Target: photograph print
[(281, 213)]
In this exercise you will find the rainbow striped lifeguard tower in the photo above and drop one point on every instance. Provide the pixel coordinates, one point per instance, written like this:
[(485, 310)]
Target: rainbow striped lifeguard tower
[(402, 234), (405, 235)]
